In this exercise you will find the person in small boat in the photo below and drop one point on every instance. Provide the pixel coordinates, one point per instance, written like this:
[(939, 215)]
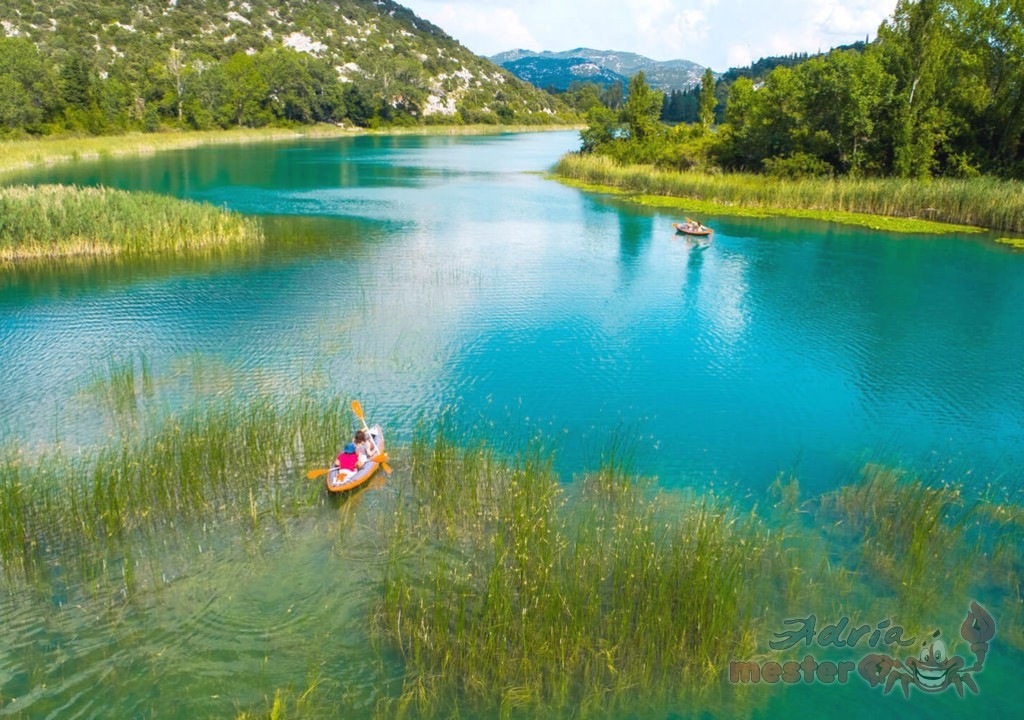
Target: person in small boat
[(349, 460), (365, 445)]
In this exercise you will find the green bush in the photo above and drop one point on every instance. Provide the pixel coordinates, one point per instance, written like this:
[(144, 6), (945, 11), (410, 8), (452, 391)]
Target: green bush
[(797, 166)]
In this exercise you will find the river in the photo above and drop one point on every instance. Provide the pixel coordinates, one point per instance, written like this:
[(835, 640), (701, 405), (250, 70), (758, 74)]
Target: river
[(449, 274)]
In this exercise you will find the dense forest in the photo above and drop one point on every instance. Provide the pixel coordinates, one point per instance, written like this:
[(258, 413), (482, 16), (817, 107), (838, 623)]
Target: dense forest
[(939, 92), (105, 66)]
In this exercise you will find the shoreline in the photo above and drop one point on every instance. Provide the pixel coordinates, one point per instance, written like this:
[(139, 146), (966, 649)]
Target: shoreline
[(748, 197), (693, 205), (17, 155)]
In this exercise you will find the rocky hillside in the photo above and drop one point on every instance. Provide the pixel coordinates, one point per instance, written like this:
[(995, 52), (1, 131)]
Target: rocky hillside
[(186, 60), (559, 73), (665, 75)]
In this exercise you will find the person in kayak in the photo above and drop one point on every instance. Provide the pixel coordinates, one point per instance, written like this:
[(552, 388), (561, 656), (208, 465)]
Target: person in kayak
[(348, 460), (365, 445)]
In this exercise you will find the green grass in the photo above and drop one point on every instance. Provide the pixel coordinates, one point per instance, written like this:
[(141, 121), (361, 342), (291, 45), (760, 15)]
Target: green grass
[(53, 221), (895, 205), (240, 459), (120, 386), (908, 533)]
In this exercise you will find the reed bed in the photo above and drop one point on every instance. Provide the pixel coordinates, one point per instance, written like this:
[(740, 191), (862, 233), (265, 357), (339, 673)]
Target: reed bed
[(238, 459), (913, 536), (494, 586), (525, 595), (978, 202), (52, 221)]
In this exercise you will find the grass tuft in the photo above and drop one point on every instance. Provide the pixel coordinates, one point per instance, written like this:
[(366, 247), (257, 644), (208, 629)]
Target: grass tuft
[(52, 221)]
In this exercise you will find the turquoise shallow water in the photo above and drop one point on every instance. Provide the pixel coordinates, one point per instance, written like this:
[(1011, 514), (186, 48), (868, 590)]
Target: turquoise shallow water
[(424, 273)]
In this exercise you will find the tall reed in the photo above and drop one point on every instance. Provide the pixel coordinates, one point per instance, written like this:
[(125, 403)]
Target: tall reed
[(913, 535), (985, 202), (528, 595), (241, 458), (56, 220)]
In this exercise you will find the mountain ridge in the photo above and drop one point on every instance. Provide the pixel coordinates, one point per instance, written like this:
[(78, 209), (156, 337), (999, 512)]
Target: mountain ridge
[(665, 75)]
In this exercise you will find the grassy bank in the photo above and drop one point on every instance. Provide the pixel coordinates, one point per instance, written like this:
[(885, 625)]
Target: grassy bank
[(24, 154), (895, 205), (53, 221)]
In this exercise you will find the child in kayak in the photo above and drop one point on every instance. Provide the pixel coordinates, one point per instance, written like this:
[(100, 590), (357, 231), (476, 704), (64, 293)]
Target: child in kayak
[(349, 460)]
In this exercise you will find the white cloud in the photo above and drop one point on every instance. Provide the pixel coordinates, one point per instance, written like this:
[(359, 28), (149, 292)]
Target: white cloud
[(719, 33), (482, 27)]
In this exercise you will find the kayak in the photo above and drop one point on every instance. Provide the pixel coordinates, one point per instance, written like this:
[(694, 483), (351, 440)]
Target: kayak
[(692, 229), (339, 481)]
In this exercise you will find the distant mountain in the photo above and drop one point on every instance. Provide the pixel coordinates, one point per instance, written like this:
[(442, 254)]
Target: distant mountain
[(662, 75), (559, 73)]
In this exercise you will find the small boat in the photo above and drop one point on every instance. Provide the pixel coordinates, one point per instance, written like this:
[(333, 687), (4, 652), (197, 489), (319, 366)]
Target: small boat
[(691, 227), (339, 481)]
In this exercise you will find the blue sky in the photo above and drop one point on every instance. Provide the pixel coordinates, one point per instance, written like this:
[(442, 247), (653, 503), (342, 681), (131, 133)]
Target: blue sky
[(715, 33)]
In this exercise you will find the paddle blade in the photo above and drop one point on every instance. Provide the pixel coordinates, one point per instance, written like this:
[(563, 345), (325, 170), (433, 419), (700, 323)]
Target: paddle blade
[(382, 460), (314, 474), (357, 408)]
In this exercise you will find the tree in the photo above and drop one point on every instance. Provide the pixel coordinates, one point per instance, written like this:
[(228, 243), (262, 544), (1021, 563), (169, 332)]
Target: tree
[(916, 50), (611, 96), (846, 95), (600, 129), (246, 93), (177, 69), (642, 109), (707, 99), (28, 92)]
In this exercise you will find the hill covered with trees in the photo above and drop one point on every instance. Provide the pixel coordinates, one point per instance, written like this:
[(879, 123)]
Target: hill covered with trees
[(101, 66)]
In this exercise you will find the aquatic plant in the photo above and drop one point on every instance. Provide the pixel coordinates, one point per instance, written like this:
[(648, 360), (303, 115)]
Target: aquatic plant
[(968, 203), (121, 385), (910, 534), (525, 594), (51, 221), (490, 585), (237, 458)]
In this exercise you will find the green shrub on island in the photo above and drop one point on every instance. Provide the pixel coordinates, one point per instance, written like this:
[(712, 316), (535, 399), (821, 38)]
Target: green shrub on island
[(53, 221)]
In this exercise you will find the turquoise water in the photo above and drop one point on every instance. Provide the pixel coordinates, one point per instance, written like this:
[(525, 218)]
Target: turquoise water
[(427, 273), (417, 273)]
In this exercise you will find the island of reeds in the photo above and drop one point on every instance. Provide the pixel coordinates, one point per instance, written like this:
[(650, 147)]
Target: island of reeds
[(54, 221), (890, 204), (497, 587)]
